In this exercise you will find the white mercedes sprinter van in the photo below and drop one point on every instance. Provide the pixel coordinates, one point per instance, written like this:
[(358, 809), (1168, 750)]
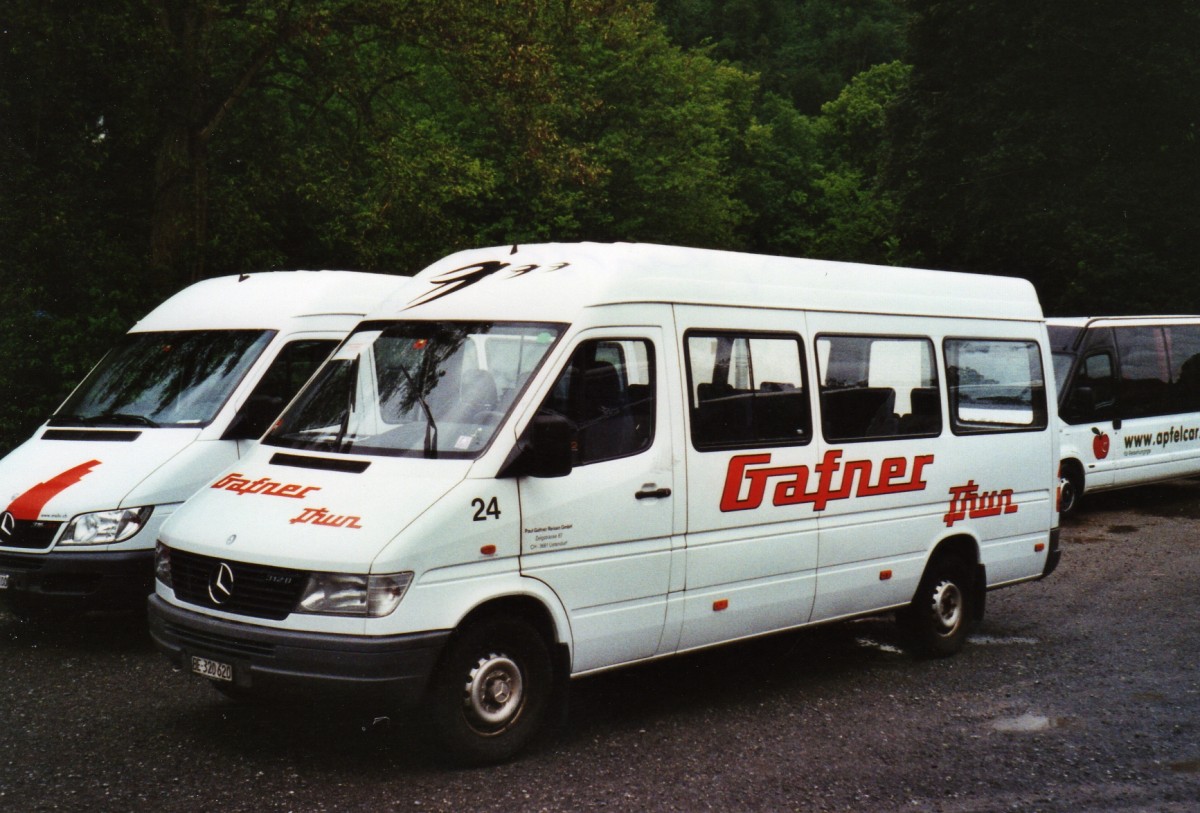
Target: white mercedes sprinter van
[(544, 461), (178, 400), (1129, 400)]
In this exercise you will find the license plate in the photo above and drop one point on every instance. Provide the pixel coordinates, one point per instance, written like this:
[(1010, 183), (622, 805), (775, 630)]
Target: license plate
[(215, 670), (3, 581)]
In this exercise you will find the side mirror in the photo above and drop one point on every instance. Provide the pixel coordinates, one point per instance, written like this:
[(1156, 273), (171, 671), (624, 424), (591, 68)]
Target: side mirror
[(1082, 402), (254, 418), (543, 450)]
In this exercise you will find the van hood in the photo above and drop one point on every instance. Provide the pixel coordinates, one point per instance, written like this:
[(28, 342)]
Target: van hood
[(59, 473), (306, 513)]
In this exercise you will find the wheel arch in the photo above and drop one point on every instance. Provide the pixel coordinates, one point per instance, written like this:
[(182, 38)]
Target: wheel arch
[(534, 611)]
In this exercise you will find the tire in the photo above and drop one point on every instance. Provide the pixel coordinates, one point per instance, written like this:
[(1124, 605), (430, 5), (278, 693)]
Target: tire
[(939, 618), (1070, 488), (491, 692)]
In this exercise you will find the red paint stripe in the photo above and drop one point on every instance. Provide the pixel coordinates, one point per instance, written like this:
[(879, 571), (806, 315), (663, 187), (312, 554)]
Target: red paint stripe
[(30, 504)]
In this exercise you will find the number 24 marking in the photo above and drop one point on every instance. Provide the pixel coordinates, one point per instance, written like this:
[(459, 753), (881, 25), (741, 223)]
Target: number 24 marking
[(484, 511)]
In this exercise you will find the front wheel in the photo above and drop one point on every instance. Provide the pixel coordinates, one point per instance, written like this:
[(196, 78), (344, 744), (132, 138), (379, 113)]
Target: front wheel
[(491, 692), (939, 618), (1070, 487)]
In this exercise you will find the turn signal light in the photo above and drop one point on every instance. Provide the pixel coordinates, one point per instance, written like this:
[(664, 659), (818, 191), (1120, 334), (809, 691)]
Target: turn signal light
[(720, 604)]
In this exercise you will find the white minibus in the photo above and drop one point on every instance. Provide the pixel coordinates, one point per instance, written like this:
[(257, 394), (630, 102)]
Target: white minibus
[(179, 399), (1129, 400), (541, 462)]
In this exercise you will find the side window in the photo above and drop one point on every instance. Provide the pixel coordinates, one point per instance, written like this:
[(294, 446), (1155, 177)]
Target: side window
[(1145, 371), (294, 365), (1184, 341), (995, 385), (878, 387), (1093, 391), (746, 389), (607, 393)]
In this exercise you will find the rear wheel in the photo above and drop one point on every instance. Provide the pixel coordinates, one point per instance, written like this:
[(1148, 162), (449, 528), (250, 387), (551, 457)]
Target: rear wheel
[(491, 692), (939, 618)]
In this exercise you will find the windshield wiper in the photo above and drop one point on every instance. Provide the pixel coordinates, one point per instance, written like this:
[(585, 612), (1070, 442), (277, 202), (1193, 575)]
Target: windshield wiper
[(431, 431), (351, 401)]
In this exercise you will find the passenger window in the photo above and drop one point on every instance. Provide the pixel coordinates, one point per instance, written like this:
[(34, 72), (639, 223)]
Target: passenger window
[(607, 393), (875, 387), (1145, 371), (746, 389), (1184, 341), (995, 385)]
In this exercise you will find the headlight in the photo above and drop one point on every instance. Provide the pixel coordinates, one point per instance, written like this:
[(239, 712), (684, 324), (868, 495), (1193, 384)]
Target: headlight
[(105, 527), (162, 564), (353, 594)]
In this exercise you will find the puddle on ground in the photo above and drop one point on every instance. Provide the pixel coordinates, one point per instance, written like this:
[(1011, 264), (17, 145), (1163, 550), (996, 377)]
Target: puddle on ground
[(1002, 640), (1123, 529), (871, 643), (1188, 766), (1029, 722)]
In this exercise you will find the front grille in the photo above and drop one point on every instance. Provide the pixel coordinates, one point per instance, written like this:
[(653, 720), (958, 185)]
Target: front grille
[(253, 590), (27, 533), (215, 642)]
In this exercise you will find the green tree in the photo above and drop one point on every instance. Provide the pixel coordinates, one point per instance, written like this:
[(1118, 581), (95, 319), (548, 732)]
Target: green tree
[(149, 143), (1044, 141)]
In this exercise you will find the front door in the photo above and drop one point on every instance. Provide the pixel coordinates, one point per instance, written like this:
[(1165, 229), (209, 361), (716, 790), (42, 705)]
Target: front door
[(601, 536)]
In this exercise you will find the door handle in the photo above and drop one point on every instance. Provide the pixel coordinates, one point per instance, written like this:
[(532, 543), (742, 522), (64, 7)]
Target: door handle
[(649, 492)]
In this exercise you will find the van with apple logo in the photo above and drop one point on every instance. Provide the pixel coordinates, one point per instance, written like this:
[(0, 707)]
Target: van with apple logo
[(185, 394), (541, 462), (1129, 401)]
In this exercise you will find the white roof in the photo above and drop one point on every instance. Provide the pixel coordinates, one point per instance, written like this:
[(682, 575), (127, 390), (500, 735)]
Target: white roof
[(268, 300), (1111, 321), (556, 282)]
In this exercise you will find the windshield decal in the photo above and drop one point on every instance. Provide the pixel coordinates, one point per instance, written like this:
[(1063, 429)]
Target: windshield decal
[(30, 504), (448, 282), (239, 484)]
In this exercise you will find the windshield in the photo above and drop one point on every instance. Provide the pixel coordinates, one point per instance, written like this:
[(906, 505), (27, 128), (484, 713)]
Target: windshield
[(176, 378), (429, 389)]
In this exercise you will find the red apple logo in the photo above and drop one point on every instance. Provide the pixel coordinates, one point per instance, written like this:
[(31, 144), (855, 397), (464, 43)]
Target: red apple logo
[(1100, 444)]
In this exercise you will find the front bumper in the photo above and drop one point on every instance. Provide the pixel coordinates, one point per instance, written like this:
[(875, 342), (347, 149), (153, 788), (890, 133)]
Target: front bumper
[(81, 581), (265, 660)]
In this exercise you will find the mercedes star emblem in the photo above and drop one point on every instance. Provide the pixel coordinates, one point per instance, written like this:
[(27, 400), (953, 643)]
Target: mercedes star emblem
[(8, 524), (220, 588)]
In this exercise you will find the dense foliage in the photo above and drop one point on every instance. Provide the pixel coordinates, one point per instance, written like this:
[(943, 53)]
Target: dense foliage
[(148, 143)]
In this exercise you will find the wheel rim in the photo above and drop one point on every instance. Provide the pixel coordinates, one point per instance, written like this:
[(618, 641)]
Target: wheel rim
[(947, 607), (495, 694)]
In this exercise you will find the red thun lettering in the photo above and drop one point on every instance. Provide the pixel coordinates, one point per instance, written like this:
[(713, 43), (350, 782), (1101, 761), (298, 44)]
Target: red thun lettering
[(749, 475), (321, 516), (968, 501)]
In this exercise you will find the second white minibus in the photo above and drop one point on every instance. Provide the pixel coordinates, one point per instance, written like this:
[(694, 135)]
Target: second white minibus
[(541, 462), (184, 394), (1129, 400)]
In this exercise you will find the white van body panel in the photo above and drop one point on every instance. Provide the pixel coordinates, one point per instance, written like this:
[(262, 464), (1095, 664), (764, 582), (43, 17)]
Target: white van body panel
[(672, 545), (132, 465)]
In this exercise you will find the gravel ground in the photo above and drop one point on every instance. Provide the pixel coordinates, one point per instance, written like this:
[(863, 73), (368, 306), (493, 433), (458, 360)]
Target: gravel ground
[(1079, 692)]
